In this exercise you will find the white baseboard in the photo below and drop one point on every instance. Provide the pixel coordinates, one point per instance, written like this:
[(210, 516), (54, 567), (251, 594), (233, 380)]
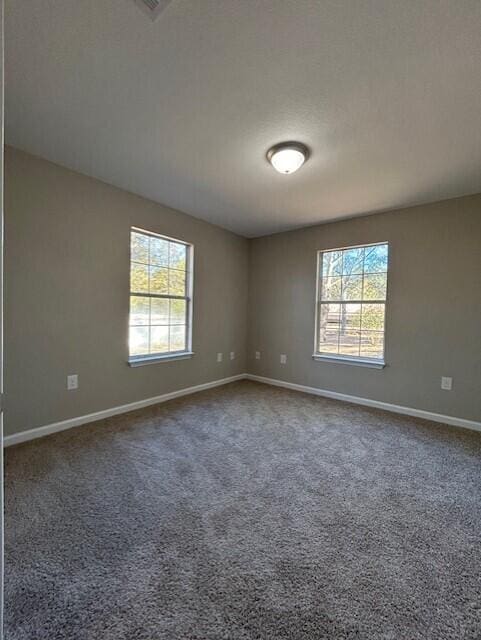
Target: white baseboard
[(31, 434), (394, 408)]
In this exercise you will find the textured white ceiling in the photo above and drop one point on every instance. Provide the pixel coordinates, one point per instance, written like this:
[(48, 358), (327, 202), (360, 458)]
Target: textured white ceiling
[(387, 93)]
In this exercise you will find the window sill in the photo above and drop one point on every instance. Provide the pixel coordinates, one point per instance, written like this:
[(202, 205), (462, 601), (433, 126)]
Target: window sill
[(140, 362), (358, 362)]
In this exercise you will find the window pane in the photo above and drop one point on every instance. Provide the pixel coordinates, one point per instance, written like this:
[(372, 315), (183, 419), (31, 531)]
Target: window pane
[(350, 316), (159, 280), (178, 256), (138, 341), (331, 288), (139, 310), (159, 311), (329, 327), (349, 324), (349, 342), (372, 344), (376, 259), (353, 260), (177, 338), (139, 278), (372, 317), (159, 251), (331, 263), (176, 283), (159, 339), (177, 312), (330, 342), (351, 287), (375, 286), (139, 247), (329, 316)]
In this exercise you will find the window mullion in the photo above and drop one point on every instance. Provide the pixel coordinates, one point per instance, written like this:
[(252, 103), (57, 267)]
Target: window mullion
[(364, 301), (158, 295)]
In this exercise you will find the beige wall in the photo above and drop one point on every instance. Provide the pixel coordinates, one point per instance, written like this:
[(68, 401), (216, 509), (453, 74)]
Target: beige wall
[(433, 323), (67, 288), (67, 292)]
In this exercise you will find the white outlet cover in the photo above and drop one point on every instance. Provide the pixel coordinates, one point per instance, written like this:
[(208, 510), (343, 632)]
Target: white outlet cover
[(283, 358), (232, 355), (258, 355), (219, 357), (446, 383), (72, 382)]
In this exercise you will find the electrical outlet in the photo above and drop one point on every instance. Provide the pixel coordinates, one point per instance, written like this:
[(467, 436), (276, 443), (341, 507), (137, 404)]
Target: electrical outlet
[(283, 358), (258, 355), (219, 357), (446, 383), (232, 355), (72, 382)]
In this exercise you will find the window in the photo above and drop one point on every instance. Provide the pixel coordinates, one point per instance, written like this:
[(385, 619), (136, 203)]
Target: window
[(351, 303), (160, 323)]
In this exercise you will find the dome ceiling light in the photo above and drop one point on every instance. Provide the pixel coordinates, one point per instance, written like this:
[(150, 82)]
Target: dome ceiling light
[(287, 157)]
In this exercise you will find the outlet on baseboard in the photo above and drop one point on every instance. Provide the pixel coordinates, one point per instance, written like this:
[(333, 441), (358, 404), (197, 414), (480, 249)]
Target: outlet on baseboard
[(283, 358), (258, 355), (72, 382), (219, 357), (446, 383)]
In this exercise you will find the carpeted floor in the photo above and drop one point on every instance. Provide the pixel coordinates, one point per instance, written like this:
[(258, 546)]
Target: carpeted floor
[(246, 512)]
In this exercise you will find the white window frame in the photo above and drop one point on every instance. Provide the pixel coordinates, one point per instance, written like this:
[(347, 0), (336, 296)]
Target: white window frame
[(362, 361), (152, 358)]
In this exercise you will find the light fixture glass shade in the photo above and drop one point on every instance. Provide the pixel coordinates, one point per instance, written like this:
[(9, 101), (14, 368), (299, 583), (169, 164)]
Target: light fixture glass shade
[(287, 157)]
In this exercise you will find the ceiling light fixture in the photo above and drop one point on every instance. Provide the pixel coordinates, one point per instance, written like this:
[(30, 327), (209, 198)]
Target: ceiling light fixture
[(153, 8), (287, 157)]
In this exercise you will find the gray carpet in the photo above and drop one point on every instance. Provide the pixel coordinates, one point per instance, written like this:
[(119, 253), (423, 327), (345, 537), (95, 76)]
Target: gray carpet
[(246, 512)]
